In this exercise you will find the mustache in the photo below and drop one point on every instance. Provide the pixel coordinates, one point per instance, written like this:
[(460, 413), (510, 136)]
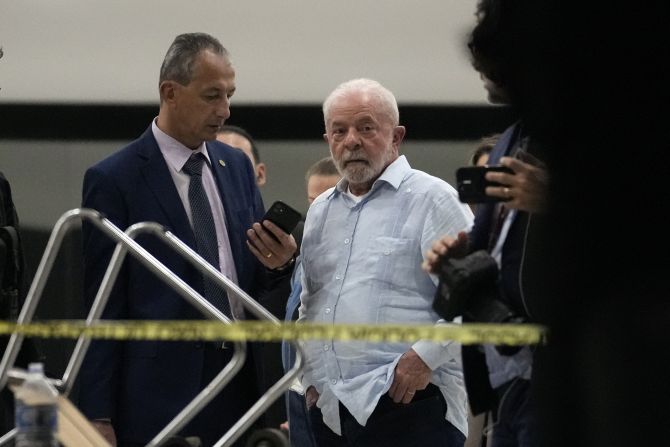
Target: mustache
[(357, 155)]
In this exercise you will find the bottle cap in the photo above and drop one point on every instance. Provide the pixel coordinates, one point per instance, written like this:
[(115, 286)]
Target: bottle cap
[(36, 367)]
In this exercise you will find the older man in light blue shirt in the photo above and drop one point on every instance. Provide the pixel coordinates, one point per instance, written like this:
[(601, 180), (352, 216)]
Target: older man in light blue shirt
[(362, 253)]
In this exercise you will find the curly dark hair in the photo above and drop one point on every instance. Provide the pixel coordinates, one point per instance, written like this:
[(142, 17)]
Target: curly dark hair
[(491, 41), (508, 44)]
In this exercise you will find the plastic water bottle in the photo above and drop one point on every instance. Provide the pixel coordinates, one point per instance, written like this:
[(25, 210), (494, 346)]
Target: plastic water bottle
[(36, 410)]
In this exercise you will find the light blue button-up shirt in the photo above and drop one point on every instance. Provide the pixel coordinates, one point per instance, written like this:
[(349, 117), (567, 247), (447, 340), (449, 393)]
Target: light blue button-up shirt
[(362, 264)]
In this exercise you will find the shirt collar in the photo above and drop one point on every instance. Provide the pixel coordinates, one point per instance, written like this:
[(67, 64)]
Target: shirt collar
[(175, 153), (394, 174)]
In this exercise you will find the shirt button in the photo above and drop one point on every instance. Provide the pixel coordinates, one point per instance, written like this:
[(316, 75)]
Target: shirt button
[(326, 347), (346, 241), (333, 381), (337, 277), (327, 310), (387, 252)]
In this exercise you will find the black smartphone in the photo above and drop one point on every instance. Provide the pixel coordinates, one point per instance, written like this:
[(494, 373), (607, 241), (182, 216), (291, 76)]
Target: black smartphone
[(471, 184), (283, 216)]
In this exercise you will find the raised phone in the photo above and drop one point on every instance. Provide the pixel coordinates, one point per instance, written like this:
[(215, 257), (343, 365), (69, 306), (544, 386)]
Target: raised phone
[(471, 184)]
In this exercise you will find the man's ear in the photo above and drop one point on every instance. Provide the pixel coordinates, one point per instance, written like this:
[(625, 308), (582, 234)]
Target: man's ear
[(167, 91), (398, 134), (260, 174), (325, 137)]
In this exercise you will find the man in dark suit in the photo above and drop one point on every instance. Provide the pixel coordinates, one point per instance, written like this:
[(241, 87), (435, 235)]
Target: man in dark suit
[(132, 390)]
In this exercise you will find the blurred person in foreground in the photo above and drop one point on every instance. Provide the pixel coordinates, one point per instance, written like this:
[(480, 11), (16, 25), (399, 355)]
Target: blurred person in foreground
[(503, 239)]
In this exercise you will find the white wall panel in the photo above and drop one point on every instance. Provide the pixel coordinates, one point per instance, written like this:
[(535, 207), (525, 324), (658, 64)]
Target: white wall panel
[(288, 51)]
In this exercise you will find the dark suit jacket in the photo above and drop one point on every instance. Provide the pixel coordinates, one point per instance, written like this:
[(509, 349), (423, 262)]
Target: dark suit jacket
[(520, 247), (143, 385)]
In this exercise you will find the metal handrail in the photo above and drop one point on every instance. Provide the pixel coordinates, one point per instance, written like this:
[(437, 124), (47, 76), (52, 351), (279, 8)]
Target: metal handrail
[(64, 223), (207, 309), (272, 394), (106, 286), (126, 243)]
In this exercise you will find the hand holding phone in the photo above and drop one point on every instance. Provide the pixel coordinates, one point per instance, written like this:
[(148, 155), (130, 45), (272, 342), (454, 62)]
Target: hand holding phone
[(283, 216), (276, 254), (471, 183)]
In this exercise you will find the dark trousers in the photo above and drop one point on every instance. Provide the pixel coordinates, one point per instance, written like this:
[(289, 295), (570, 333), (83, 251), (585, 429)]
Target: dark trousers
[(269, 370), (420, 423), (228, 406), (516, 423), (299, 422), (233, 401)]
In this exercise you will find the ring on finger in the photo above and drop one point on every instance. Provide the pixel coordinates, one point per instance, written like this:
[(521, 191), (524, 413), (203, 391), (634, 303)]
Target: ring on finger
[(506, 191), (269, 255)]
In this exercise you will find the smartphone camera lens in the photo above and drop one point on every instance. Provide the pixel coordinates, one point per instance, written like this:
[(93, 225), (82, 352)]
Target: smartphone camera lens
[(467, 186)]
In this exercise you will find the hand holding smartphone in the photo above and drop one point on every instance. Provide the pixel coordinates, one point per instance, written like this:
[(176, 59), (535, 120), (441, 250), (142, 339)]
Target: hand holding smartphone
[(283, 216), (471, 183)]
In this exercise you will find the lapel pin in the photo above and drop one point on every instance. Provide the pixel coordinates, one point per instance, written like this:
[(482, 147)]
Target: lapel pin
[(222, 163)]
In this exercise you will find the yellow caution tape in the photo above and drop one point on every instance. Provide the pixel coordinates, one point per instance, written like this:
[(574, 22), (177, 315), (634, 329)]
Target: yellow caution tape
[(469, 333)]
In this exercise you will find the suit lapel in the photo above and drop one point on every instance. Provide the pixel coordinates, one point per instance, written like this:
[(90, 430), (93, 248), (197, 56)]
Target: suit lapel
[(157, 176), (484, 216), (223, 180), (228, 191)]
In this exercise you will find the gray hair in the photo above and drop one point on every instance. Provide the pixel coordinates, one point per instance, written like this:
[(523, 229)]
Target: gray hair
[(178, 63), (373, 88)]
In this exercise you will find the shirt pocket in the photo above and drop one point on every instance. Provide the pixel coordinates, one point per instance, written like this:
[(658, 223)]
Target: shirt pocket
[(397, 263), (393, 259)]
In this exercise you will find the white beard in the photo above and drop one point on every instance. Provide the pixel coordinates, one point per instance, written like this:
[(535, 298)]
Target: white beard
[(363, 173)]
